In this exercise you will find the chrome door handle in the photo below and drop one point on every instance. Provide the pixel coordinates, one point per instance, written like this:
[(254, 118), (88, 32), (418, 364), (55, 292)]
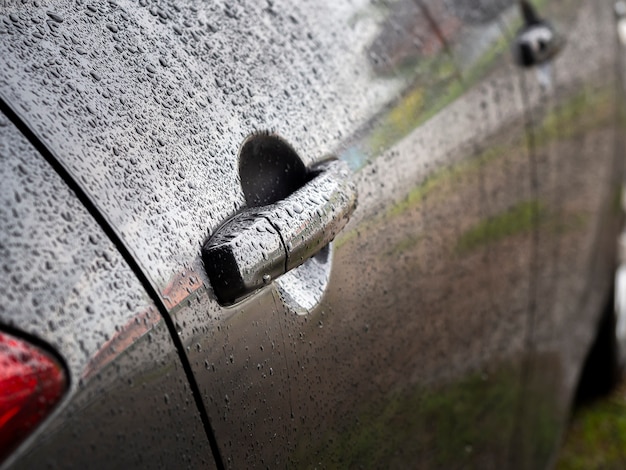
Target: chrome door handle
[(259, 244), (537, 41)]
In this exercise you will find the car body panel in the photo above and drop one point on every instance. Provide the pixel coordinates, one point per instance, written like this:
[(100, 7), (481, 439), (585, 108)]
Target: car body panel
[(416, 351), (577, 153), (67, 285)]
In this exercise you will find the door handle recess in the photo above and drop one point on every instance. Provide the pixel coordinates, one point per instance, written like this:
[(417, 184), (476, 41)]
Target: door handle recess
[(260, 243)]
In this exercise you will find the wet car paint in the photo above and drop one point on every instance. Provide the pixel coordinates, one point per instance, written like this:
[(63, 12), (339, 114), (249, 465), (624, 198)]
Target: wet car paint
[(67, 285), (577, 149), (433, 290)]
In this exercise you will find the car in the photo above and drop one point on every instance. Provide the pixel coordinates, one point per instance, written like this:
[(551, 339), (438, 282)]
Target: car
[(304, 234)]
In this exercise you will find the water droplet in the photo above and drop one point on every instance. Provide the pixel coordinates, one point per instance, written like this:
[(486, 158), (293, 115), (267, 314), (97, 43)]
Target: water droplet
[(297, 207), (55, 17)]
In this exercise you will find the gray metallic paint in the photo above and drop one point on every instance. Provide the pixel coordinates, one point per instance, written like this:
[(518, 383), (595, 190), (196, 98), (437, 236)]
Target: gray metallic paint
[(464, 291), (67, 285)]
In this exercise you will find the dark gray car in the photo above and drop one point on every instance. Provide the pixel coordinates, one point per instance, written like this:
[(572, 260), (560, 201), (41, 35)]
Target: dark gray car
[(173, 173)]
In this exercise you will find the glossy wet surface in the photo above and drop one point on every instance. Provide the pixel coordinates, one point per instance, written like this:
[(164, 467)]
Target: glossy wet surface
[(463, 291)]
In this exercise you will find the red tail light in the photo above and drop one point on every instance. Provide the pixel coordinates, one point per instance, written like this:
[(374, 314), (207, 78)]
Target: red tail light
[(31, 383)]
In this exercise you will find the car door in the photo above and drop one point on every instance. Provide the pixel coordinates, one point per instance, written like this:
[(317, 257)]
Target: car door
[(401, 343), (577, 164), (412, 351)]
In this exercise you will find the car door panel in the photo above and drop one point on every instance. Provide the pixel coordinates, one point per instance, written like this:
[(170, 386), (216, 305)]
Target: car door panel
[(415, 351), (159, 160), (576, 169)]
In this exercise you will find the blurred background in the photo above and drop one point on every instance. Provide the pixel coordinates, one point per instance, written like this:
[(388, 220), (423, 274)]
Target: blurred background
[(596, 436)]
